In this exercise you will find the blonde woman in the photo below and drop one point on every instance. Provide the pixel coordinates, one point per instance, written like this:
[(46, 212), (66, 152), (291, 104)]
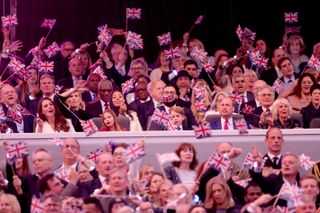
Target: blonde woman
[(199, 112), (281, 115), (9, 204)]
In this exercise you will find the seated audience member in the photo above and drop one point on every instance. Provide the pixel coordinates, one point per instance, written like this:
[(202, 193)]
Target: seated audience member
[(91, 95), (76, 70), (96, 108), (9, 204), (251, 78), (310, 186), (50, 118), (219, 197), (119, 106), (50, 184), (17, 120), (28, 87), (312, 110), (141, 95), (252, 192), (146, 109), (52, 203), (92, 205), (216, 103), (162, 66), (178, 119), (281, 115), (295, 50), (164, 192), (183, 83), (73, 107), (226, 122), (258, 116), (109, 122), (183, 171), (300, 96), (240, 89), (84, 173)]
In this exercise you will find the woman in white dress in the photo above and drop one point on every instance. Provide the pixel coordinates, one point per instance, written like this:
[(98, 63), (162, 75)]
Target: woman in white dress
[(50, 118)]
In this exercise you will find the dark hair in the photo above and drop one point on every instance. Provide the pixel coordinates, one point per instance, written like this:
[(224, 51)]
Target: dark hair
[(297, 88), (123, 145), (25, 166), (183, 146), (143, 76), (154, 174), (114, 201), (190, 61), (231, 67), (314, 87), (95, 201), (251, 184), (60, 121), (43, 183), (115, 108), (281, 60)]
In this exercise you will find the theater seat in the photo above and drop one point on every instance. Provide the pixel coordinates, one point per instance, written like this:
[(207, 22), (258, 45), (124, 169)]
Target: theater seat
[(298, 117), (315, 123)]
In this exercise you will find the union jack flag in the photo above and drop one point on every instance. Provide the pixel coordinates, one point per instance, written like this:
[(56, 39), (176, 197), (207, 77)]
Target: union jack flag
[(199, 19), (314, 63), (9, 21), (134, 40), (52, 50), (23, 110), (200, 105), (62, 173), (260, 61), (2, 114), (199, 92), (37, 206), (15, 117), (239, 32), (167, 158), (46, 67), (249, 161), (133, 13), (172, 53), (134, 152), (17, 150), (248, 109), (203, 130), (219, 162), (199, 54), (100, 72), (208, 66), (127, 86), (105, 34), (306, 162), (171, 126), (293, 29), (35, 61), (291, 17), (247, 34), (241, 124), (277, 85), (235, 97), (23, 74), (16, 64), (89, 127), (48, 23), (93, 155), (161, 117), (291, 193), (164, 39)]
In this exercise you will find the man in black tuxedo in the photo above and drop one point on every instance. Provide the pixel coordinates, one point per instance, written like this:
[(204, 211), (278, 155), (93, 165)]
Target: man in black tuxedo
[(145, 110), (97, 108), (270, 75), (274, 142)]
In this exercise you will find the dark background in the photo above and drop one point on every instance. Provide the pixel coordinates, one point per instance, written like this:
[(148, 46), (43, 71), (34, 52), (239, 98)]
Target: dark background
[(77, 20)]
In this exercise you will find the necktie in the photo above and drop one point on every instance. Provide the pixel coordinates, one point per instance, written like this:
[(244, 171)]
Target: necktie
[(178, 128), (76, 80), (243, 100), (94, 97), (226, 124), (275, 161), (161, 107), (290, 81)]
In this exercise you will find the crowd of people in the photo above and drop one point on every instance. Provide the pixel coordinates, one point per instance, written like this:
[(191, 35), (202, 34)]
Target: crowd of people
[(45, 93)]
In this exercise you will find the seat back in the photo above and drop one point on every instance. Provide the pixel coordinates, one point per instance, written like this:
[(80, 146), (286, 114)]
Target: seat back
[(298, 117), (124, 122), (315, 123)]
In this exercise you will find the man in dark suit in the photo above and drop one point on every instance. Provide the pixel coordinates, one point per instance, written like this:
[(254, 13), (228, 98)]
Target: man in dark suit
[(145, 110), (312, 110), (96, 108), (22, 121), (274, 142), (270, 75), (61, 61), (226, 121), (141, 95), (240, 86), (92, 85), (76, 70), (259, 117)]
